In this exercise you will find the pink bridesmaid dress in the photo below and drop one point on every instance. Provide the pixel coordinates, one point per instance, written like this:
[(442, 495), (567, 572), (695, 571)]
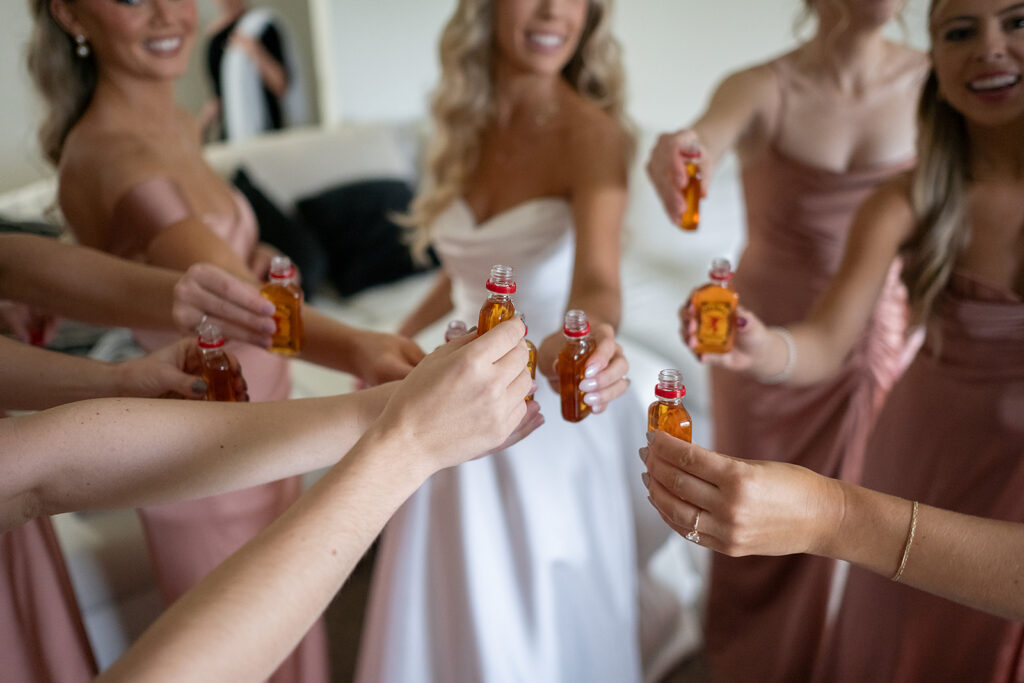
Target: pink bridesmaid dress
[(42, 639), (187, 540), (766, 616), (951, 435)]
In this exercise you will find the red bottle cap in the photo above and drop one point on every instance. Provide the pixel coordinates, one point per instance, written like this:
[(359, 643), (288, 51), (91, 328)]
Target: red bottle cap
[(669, 393), (501, 289)]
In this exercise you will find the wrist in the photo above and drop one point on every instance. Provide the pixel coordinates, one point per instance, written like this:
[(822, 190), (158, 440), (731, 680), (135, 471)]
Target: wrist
[(829, 532), (411, 466), (776, 357)]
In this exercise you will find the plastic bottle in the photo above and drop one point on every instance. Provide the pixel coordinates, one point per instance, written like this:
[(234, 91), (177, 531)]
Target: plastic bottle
[(691, 193), (715, 307), (215, 368), (572, 363), (667, 413), (285, 294), (499, 307), (531, 362), (456, 329)]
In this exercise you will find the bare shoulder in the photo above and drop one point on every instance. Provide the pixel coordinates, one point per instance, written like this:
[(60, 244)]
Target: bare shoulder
[(597, 145), (96, 168), (758, 83)]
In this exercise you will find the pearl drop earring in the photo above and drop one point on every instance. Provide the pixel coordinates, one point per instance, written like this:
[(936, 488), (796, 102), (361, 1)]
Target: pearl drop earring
[(81, 47)]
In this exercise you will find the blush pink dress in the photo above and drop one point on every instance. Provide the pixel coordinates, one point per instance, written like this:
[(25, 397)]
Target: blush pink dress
[(766, 616), (951, 435), (42, 639), (187, 540)]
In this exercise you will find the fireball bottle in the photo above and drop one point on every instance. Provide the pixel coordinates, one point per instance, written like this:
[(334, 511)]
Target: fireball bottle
[(215, 367), (667, 413), (499, 307), (691, 193), (714, 306), (572, 363), (285, 294)]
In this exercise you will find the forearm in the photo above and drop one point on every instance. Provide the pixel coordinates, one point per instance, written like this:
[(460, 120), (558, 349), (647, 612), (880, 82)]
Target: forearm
[(436, 304), (132, 452), (85, 284), (36, 379), (974, 561), (328, 342), (601, 303), (220, 629)]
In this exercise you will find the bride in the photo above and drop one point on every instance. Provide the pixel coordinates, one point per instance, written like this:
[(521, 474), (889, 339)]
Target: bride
[(522, 567)]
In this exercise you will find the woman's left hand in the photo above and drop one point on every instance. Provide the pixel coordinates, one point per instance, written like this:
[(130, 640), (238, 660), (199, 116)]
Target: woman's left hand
[(605, 377), (747, 507), (171, 372)]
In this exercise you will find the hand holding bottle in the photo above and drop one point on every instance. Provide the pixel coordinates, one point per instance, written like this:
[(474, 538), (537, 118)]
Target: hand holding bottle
[(666, 167), (463, 400), (171, 372), (754, 350), (605, 374), (234, 306)]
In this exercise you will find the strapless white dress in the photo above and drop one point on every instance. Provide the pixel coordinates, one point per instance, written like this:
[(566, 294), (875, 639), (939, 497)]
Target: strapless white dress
[(519, 567)]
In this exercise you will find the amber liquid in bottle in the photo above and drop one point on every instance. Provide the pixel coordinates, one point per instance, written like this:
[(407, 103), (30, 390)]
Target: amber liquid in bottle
[(531, 361), (215, 368), (667, 414), (691, 193), (285, 294), (715, 307), (572, 363), (499, 307)]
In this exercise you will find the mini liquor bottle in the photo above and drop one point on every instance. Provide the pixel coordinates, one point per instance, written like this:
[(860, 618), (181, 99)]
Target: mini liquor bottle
[(285, 294), (455, 329), (691, 193), (572, 363), (215, 368), (531, 362), (499, 307), (667, 413), (715, 305)]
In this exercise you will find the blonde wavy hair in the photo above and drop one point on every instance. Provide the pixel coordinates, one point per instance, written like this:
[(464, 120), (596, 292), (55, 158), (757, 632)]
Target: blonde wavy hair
[(463, 103), (65, 80), (938, 196)]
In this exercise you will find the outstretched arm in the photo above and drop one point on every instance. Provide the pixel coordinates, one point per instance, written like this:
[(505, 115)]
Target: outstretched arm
[(94, 287), (130, 452), (770, 508), (463, 400)]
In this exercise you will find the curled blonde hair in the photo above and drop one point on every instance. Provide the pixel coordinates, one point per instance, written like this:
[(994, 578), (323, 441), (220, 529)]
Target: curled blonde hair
[(65, 80), (463, 102), (937, 196)]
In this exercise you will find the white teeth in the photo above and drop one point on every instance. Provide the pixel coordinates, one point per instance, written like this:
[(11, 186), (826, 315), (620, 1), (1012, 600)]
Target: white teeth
[(994, 82), (546, 39), (164, 44)]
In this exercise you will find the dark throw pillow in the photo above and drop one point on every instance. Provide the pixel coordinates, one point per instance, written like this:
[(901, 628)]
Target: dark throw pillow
[(364, 245), (290, 237)]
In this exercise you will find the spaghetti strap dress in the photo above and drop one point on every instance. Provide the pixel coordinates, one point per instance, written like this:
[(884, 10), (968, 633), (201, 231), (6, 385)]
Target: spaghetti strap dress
[(766, 616), (951, 435)]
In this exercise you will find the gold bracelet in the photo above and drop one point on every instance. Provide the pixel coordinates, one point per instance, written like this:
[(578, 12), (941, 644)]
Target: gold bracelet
[(910, 542)]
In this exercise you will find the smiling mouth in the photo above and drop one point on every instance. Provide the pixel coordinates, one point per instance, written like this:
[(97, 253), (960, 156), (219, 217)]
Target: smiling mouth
[(994, 83), (163, 45), (546, 40)]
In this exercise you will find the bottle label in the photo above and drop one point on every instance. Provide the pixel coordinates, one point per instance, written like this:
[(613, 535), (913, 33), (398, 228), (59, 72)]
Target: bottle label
[(283, 320), (714, 323)]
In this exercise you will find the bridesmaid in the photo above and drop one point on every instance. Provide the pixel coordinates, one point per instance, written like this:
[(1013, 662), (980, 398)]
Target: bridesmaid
[(816, 130), (133, 182), (951, 434)]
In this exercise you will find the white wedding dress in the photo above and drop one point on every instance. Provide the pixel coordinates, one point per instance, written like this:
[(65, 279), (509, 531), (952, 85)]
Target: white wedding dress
[(519, 567)]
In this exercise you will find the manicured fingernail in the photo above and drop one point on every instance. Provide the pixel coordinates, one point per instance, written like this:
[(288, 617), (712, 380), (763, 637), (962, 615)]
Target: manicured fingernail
[(588, 385), (598, 409), (592, 400), (650, 435), (199, 387), (646, 479), (533, 388), (268, 326), (590, 371), (643, 455), (741, 321)]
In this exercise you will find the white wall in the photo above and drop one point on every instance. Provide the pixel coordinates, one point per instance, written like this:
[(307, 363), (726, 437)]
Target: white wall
[(20, 110), (379, 59)]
